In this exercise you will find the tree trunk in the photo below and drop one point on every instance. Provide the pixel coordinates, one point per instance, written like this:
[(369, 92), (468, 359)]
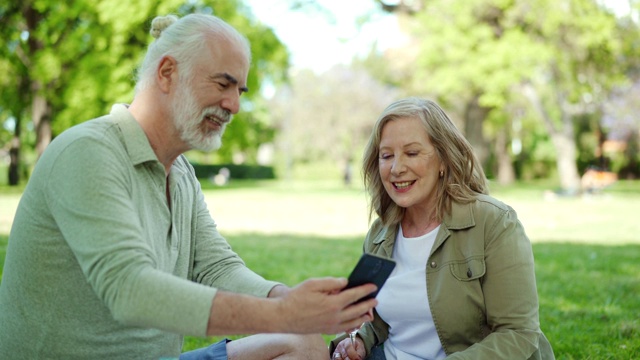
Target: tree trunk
[(562, 139), (505, 173), (41, 115), (566, 162), (474, 116), (14, 163)]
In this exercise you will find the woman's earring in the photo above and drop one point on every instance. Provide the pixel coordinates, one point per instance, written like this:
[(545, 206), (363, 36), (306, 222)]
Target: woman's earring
[(441, 173)]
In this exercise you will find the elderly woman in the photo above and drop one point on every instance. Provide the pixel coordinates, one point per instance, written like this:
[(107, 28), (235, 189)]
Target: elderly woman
[(464, 286)]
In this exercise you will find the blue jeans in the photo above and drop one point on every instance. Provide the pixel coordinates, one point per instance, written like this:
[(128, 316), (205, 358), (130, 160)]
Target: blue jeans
[(217, 351), (377, 353)]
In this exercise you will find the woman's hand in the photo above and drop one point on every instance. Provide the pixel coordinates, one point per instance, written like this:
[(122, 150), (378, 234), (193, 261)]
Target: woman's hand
[(346, 351)]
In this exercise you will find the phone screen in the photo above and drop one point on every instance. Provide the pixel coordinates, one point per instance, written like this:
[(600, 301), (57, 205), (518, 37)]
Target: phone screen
[(371, 269)]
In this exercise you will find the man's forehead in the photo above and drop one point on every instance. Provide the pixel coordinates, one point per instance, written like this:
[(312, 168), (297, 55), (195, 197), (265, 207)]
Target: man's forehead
[(227, 57)]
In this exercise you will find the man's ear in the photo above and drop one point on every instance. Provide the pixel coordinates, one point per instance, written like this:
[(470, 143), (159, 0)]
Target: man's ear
[(167, 73)]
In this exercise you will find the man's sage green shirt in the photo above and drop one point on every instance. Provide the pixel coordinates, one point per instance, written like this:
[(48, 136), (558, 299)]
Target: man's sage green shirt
[(99, 265)]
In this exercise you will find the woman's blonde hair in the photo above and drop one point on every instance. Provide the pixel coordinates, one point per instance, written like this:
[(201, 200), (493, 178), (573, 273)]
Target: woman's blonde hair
[(463, 177)]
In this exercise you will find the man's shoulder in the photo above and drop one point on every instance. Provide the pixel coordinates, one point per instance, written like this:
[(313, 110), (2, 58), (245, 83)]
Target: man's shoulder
[(94, 128), (93, 137)]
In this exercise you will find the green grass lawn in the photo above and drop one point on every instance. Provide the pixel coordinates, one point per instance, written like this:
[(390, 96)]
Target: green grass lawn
[(587, 252)]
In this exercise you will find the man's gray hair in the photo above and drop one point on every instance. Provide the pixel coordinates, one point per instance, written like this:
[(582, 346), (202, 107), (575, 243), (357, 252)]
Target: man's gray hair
[(183, 39)]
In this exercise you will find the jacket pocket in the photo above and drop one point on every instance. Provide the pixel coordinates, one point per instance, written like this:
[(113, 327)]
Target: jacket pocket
[(469, 269)]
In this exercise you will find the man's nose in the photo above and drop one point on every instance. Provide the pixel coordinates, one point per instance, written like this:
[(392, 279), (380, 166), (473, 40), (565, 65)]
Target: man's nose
[(231, 103)]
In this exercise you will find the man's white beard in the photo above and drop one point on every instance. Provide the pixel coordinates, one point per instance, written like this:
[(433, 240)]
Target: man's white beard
[(190, 121)]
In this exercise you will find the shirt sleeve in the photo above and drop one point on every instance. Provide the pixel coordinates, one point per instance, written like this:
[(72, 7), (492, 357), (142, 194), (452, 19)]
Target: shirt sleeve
[(216, 264), (88, 193)]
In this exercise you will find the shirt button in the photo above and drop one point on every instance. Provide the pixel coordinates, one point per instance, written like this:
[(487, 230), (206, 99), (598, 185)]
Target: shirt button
[(433, 264), (469, 273)]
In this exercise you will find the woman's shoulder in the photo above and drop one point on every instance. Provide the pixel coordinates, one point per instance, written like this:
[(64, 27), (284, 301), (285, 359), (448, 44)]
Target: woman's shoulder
[(489, 207), (483, 207), (488, 201)]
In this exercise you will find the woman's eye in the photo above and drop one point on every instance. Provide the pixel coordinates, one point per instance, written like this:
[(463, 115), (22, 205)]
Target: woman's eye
[(385, 156)]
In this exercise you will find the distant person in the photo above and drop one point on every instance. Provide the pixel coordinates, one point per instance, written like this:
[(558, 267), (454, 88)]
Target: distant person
[(464, 285), (595, 180), (222, 177), (113, 253), (348, 172)]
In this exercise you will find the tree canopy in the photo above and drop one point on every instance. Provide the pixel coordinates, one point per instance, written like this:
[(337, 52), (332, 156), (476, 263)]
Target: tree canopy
[(72, 60), (505, 60)]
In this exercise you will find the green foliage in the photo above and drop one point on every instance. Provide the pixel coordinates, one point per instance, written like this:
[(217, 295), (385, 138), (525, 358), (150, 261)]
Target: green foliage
[(474, 47), (82, 56), (569, 52)]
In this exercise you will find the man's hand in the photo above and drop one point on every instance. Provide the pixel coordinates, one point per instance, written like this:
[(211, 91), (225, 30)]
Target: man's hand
[(319, 306), (314, 306)]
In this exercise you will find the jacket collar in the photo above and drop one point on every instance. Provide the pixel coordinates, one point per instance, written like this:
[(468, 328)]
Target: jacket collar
[(461, 217)]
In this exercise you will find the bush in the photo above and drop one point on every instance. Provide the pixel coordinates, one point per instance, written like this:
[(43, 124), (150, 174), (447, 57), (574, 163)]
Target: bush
[(207, 171)]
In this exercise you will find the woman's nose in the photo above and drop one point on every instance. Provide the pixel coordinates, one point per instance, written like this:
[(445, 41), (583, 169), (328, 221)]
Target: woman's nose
[(397, 167)]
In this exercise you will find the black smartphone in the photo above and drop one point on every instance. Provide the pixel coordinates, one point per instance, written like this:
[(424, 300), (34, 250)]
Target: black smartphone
[(371, 269)]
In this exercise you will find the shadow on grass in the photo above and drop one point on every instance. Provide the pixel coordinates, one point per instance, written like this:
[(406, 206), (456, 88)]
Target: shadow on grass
[(589, 301)]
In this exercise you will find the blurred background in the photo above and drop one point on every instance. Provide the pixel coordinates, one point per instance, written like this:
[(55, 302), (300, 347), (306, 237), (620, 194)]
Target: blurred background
[(546, 91), (543, 89)]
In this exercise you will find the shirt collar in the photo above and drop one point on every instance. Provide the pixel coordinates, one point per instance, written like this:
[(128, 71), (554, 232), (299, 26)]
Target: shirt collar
[(135, 140)]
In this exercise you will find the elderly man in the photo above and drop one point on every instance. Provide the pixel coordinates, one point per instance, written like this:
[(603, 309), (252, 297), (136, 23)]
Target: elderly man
[(113, 253)]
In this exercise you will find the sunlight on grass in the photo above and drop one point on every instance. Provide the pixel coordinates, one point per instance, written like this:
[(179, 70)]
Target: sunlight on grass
[(588, 299), (588, 304), (587, 250)]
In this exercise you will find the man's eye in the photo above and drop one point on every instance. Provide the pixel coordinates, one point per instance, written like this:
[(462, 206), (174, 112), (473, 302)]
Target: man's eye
[(223, 85)]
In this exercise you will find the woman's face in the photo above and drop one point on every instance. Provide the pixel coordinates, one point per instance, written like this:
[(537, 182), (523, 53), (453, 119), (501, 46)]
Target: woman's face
[(409, 165)]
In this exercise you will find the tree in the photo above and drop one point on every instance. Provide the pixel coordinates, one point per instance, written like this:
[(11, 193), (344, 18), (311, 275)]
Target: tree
[(623, 125), (561, 55), (73, 59), (328, 116), (46, 44), (464, 57)]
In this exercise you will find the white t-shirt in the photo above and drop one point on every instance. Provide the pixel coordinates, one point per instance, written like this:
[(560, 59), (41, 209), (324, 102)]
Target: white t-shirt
[(403, 304)]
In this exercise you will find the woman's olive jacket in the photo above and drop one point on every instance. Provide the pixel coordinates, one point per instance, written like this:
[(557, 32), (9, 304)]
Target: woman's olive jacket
[(481, 284)]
